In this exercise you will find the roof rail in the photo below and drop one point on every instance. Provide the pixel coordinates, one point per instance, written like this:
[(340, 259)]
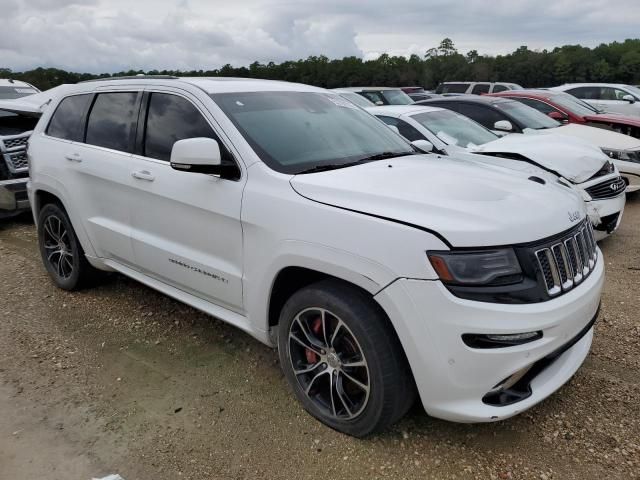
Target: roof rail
[(134, 77)]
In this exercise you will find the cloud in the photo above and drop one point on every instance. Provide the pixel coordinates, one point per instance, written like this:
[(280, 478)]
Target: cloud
[(113, 35)]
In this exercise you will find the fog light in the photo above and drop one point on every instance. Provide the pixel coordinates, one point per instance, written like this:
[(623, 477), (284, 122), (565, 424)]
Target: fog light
[(485, 340)]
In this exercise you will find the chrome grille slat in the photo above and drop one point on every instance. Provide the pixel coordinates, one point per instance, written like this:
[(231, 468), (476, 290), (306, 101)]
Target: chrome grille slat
[(607, 189), (568, 261)]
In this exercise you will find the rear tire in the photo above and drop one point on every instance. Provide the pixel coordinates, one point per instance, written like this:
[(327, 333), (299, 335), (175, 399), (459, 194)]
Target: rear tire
[(343, 359), (61, 252)]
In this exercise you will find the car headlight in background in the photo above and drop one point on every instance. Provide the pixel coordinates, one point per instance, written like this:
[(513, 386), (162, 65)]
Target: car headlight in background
[(476, 268), (624, 155)]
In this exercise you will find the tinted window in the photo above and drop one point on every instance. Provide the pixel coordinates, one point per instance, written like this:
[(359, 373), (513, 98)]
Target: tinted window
[(485, 116), (537, 104), (67, 120), (406, 130), (586, 93), (111, 120), (480, 88), (452, 88), (171, 118), (7, 93), (526, 116), (499, 88)]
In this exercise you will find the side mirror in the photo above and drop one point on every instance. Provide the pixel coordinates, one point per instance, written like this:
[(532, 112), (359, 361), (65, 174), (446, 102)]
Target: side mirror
[(559, 116), (629, 98), (423, 145), (198, 155), (503, 126), (379, 102)]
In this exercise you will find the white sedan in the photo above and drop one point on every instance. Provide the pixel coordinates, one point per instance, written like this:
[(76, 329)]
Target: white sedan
[(609, 97), (559, 158)]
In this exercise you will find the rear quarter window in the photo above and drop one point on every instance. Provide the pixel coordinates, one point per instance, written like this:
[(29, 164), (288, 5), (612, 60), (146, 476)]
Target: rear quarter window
[(67, 120)]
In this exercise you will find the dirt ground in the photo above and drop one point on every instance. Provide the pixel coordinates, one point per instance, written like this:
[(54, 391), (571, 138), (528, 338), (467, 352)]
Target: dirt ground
[(120, 379)]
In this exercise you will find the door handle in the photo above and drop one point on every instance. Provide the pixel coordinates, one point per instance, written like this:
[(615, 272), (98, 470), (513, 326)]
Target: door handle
[(74, 158), (143, 175)]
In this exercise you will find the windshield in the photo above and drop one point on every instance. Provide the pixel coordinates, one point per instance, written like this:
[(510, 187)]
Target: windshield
[(357, 99), (293, 132), (528, 117), (455, 129), (9, 93), (574, 105)]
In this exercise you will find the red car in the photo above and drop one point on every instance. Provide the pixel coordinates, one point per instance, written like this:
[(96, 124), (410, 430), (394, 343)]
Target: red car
[(568, 109)]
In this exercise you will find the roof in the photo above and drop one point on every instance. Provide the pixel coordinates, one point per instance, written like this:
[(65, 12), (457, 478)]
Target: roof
[(484, 99), (5, 82), (366, 89), (208, 84), (400, 110), (593, 84)]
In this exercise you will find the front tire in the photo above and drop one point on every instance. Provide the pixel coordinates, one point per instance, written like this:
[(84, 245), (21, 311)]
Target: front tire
[(343, 359), (61, 252)]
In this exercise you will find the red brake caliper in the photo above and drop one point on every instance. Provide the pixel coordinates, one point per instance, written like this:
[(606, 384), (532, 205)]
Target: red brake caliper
[(316, 327)]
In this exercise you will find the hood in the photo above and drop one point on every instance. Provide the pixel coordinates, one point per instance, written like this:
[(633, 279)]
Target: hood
[(613, 118), (571, 158), (468, 203), (599, 137), (33, 105)]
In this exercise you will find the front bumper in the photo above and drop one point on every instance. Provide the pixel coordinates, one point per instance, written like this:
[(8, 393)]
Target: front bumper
[(606, 215), (13, 197), (453, 378)]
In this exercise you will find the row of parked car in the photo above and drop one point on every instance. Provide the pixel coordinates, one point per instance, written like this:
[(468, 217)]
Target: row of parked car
[(388, 252)]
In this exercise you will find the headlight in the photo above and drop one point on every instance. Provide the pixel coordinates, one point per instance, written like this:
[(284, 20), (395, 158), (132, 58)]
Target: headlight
[(624, 155), (483, 267)]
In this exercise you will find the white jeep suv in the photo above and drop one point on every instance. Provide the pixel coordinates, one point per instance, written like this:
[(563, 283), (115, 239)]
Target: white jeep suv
[(292, 214)]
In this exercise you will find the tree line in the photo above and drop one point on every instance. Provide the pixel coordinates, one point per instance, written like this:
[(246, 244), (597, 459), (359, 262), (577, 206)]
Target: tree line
[(617, 62)]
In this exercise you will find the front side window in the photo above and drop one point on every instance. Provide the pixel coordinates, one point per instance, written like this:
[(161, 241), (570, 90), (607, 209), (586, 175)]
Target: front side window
[(407, 131), (586, 93), (171, 118), (111, 120), (542, 107), (526, 116), (293, 132), (573, 104), (485, 116), (454, 129), (67, 120), (480, 88)]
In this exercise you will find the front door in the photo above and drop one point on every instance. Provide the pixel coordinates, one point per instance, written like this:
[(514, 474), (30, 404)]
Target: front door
[(186, 228)]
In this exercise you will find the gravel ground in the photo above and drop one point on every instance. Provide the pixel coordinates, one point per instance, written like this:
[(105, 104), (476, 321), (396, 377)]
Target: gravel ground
[(121, 379)]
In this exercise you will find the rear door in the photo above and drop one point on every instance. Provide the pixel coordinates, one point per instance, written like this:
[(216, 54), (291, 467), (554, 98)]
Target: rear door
[(186, 226), (91, 137)]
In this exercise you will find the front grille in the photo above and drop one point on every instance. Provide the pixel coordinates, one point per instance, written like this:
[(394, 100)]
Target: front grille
[(609, 189), (569, 260), (10, 143), (17, 162)]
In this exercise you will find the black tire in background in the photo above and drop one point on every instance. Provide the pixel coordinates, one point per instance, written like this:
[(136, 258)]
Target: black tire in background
[(61, 252), (365, 335)]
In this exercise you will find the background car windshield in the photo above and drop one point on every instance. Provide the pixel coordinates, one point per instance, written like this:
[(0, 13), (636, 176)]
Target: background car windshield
[(528, 117), (296, 131), (455, 129), (357, 99), (574, 105), (8, 93), (396, 97)]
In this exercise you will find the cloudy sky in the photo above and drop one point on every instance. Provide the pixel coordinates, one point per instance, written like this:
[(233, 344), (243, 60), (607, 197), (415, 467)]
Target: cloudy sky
[(113, 35)]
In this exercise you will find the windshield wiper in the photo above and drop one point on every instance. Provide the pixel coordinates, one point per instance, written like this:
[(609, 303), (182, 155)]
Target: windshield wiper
[(370, 158)]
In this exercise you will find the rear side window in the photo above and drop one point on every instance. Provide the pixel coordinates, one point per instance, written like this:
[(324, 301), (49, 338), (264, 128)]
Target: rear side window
[(453, 88), (480, 88), (171, 118), (67, 121), (112, 119), (586, 93)]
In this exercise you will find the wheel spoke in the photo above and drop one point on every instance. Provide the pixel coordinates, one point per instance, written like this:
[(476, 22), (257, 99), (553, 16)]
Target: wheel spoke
[(48, 228), (358, 363), (50, 256), (60, 269), (304, 344), (307, 334), (332, 388), (335, 334), (341, 397), (309, 368), (312, 381), (324, 326), (355, 381)]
